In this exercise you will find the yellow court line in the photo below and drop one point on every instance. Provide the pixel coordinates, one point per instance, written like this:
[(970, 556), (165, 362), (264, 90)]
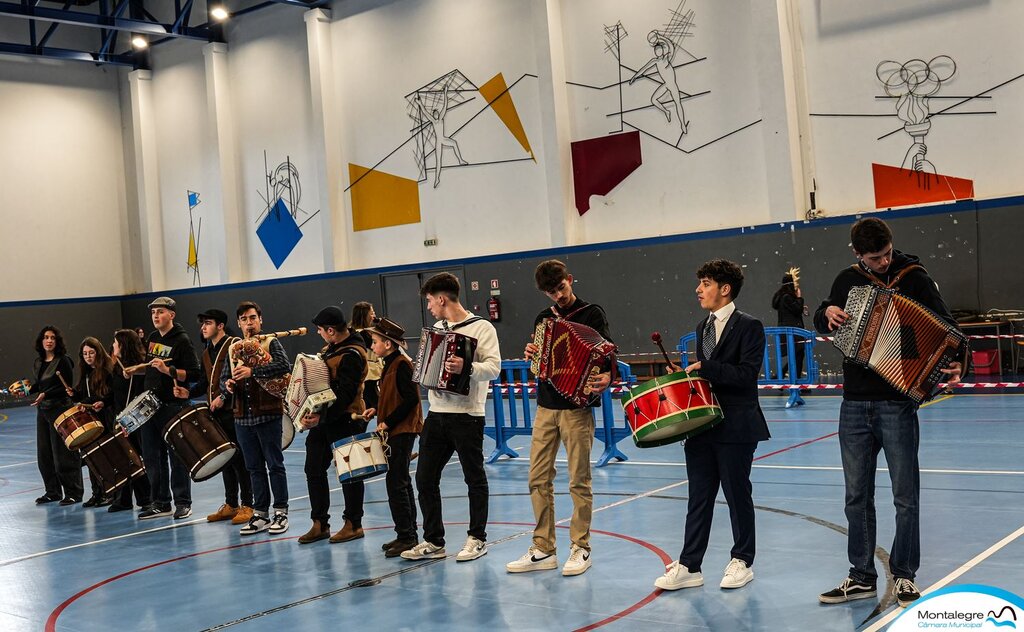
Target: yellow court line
[(3, 418), (936, 401)]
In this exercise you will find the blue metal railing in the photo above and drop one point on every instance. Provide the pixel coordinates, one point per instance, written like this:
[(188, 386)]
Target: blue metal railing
[(513, 412)]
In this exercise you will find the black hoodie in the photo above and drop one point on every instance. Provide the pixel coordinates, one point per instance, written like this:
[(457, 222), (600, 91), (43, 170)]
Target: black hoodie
[(175, 348), (861, 383)]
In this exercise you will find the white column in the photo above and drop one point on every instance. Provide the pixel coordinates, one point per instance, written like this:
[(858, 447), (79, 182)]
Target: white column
[(220, 125), (564, 222), (781, 86), (337, 224), (147, 176)]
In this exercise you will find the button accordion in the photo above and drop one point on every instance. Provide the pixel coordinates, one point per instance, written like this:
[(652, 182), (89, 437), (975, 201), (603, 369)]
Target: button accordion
[(569, 354), (436, 346), (309, 390), (899, 339)]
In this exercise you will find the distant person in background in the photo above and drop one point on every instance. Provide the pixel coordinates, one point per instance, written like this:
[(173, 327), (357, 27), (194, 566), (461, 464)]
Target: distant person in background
[(141, 333), (789, 303), (60, 468), (363, 318)]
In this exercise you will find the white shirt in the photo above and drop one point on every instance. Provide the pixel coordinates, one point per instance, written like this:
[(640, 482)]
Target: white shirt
[(721, 318), (486, 367)]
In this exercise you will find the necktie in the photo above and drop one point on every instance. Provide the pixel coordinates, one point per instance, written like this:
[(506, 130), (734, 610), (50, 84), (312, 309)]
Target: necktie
[(708, 342)]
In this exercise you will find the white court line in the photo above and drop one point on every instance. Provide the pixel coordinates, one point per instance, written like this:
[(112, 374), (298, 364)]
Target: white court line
[(884, 621), (827, 468), (16, 464), (15, 560)]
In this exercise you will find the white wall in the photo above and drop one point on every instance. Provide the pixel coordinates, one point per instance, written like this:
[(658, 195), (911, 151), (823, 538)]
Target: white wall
[(62, 193)]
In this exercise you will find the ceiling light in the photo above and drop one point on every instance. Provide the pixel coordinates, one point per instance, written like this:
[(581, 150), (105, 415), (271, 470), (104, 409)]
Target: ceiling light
[(139, 42), (219, 13)]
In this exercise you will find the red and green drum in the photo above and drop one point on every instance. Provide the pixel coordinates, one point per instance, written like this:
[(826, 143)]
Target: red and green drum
[(670, 408)]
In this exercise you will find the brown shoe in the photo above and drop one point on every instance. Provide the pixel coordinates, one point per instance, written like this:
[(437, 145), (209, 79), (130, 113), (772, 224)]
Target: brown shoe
[(226, 512), (243, 516), (347, 533), (316, 533)]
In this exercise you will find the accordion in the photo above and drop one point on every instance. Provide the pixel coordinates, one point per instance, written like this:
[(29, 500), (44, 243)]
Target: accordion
[(309, 390), (899, 339), (436, 346), (569, 353), (252, 352)]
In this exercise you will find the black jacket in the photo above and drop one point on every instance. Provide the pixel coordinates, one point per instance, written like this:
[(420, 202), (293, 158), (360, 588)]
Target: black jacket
[(733, 369), (861, 383), (790, 308), (176, 349)]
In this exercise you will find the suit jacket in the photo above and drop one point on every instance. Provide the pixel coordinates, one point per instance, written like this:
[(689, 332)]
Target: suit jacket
[(733, 369)]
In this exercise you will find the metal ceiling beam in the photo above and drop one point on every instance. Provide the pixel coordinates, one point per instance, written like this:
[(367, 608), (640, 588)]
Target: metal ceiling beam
[(72, 55), (93, 20)]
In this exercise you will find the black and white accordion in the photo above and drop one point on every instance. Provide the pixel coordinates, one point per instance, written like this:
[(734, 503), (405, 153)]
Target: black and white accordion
[(899, 339), (309, 390), (436, 346)]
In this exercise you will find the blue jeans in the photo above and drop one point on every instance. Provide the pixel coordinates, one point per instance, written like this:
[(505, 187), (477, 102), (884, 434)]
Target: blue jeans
[(261, 450), (864, 429)]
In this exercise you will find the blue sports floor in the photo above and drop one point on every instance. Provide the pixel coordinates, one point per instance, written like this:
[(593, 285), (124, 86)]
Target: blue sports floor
[(86, 569)]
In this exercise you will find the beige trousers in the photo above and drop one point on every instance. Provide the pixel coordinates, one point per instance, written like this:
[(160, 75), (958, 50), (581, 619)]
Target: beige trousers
[(574, 428)]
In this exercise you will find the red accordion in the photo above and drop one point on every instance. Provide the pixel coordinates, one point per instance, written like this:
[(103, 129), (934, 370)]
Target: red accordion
[(436, 346), (569, 353)]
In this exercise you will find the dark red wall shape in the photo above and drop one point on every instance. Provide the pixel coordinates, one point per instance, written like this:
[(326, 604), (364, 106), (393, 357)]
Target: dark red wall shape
[(600, 164)]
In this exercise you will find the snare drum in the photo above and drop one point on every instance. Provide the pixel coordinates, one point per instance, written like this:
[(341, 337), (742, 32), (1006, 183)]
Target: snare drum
[(138, 411), (78, 426), (199, 442), (670, 408), (113, 460), (359, 457)]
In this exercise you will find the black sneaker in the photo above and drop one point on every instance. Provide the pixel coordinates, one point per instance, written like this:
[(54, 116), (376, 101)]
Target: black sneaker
[(905, 592), (116, 507), (46, 498), (69, 500), (94, 501), (848, 591), (384, 547), (182, 512), (154, 511), (106, 500)]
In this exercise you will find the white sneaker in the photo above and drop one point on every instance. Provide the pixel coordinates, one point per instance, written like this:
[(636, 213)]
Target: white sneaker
[(534, 560), (578, 562), (279, 523), (471, 550), (256, 524), (678, 576), (737, 574), (424, 551)]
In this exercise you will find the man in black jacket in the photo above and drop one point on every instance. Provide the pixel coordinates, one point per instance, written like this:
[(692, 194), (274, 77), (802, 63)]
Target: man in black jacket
[(559, 420), (345, 356), (875, 416), (172, 361), (730, 351)]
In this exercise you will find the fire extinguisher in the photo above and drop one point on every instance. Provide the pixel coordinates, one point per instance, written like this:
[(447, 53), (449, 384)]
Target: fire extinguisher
[(494, 309)]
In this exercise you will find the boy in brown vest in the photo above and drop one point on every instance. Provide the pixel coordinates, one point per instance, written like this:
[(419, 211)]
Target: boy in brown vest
[(345, 356), (400, 414)]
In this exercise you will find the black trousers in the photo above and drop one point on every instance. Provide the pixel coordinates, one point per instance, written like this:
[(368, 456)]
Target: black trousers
[(167, 474), (319, 458), (401, 498), (445, 434), (709, 466), (60, 468), (237, 482)]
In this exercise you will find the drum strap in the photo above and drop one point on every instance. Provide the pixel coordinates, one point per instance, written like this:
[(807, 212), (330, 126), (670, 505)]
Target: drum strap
[(468, 321)]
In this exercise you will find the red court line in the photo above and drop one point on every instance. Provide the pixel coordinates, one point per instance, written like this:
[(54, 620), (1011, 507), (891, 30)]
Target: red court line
[(24, 491), (787, 449)]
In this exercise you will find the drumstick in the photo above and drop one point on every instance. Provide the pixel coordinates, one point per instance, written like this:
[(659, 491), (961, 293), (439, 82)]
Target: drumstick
[(62, 380), (656, 337)]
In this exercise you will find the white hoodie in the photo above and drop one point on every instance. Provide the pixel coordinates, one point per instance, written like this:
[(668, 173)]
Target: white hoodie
[(486, 367)]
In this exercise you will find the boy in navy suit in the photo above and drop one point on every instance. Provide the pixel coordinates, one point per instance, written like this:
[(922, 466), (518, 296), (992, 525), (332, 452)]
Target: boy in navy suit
[(730, 349)]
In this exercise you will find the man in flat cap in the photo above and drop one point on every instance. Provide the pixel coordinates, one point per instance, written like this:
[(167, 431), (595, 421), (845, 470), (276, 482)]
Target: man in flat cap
[(345, 356), (172, 360)]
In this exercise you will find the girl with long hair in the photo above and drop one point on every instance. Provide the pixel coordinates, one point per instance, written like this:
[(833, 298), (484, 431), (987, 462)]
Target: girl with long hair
[(126, 351), (363, 317), (60, 468), (95, 391)]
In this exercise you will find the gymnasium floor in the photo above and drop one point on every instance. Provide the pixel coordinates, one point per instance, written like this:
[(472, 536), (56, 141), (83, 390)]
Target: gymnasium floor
[(85, 569)]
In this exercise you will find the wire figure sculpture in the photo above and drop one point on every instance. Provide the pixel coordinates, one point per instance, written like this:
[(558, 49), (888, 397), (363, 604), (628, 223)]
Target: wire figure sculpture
[(427, 107), (913, 83), (665, 45)]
